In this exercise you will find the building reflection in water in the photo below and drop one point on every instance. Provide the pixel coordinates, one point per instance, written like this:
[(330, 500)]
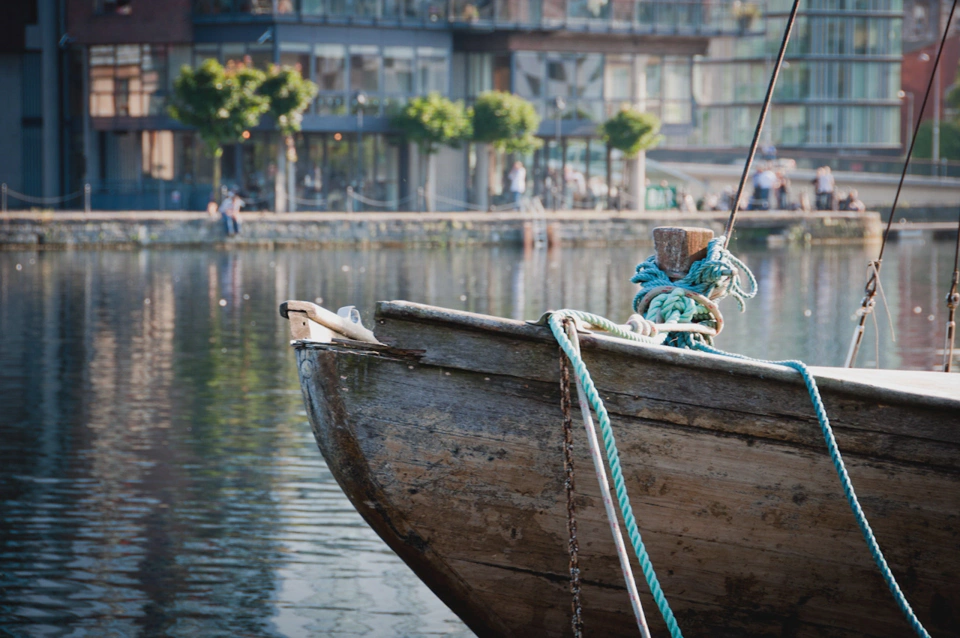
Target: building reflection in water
[(158, 475)]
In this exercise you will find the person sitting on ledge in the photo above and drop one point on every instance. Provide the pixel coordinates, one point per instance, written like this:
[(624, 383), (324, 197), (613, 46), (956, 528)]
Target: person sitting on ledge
[(230, 213), (852, 202)]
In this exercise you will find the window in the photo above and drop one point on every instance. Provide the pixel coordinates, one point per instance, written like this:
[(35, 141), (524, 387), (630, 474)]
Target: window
[(259, 56), (127, 80), (116, 7), (331, 67), (617, 84), (432, 69), (330, 73), (214, 7), (529, 78), (102, 62), (296, 56), (398, 70), (676, 90), (479, 73), (561, 75), (365, 69)]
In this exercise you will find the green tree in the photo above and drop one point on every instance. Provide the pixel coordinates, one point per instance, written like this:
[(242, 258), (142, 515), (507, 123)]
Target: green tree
[(949, 140), (633, 133), (288, 95), (430, 122), (953, 93), (221, 104), (507, 124)]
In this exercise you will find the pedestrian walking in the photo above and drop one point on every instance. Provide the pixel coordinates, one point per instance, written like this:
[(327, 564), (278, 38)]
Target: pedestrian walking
[(518, 182), (783, 190), (763, 183), (825, 184)]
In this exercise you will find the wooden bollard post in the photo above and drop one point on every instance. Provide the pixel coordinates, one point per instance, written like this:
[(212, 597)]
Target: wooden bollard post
[(678, 247), (528, 236), (553, 235)]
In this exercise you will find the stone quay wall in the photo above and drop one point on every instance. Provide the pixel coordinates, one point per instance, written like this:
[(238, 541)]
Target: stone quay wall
[(164, 229)]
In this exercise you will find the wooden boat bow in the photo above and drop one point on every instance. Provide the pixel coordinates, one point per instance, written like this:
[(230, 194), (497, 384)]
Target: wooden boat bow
[(445, 435)]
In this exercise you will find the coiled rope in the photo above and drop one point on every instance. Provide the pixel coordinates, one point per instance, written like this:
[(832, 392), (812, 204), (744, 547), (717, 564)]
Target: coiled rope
[(716, 276)]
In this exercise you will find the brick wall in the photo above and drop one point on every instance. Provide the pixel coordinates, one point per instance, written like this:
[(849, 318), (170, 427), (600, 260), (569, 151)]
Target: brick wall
[(149, 22), (915, 74)]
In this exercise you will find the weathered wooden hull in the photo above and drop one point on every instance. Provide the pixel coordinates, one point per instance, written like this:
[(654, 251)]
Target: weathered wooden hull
[(447, 441)]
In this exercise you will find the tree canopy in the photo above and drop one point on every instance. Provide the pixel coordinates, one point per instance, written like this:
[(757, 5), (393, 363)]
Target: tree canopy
[(220, 103), (431, 121), (288, 95), (508, 122), (631, 131)]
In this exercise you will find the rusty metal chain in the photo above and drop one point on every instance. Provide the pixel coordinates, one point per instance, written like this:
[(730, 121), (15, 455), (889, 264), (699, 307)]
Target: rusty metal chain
[(576, 622)]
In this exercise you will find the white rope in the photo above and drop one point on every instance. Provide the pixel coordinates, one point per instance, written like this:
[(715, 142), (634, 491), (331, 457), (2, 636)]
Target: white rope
[(375, 202), (457, 202), (601, 471), (320, 201)]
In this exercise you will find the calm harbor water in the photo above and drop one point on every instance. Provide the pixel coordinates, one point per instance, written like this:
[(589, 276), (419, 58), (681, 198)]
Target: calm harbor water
[(157, 472)]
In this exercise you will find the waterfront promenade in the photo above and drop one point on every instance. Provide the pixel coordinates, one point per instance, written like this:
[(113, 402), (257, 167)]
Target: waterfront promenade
[(62, 230)]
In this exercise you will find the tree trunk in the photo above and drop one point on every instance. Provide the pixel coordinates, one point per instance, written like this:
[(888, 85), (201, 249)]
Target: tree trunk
[(482, 177), (637, 175), (279, 191), (609, 161), (291, 171), (217, 154), (430, 188), (491, 168)]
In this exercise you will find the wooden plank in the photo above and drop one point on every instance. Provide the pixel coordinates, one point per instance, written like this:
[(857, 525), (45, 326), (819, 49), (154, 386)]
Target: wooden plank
[(460, 339), (627, 370)]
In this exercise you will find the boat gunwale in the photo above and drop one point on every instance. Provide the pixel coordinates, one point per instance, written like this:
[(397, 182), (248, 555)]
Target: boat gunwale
[(513, 328)]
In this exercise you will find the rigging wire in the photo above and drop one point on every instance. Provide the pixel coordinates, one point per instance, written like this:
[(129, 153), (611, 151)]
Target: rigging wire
[(953, 300), (870, 290), (763, 117)]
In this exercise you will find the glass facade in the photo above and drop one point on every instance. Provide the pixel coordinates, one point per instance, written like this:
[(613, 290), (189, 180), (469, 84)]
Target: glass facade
[(596, 86), (632, 16), (838, 85)]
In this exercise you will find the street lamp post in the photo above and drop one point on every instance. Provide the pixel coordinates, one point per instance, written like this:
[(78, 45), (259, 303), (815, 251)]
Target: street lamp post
[(909, 97), (936, 119), (559, 104), (361, 100)]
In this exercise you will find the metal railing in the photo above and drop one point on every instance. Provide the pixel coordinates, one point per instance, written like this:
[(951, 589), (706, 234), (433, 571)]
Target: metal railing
[(9, 197), (693, 17), (882, 164)]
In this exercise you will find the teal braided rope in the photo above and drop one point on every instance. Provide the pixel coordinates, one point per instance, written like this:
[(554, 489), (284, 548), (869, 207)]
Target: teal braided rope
[(716, 275), (610, 445), (848, 491), (606, 325)]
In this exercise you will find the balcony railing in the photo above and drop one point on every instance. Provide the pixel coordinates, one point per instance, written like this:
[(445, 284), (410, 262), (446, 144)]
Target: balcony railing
[(681, 17)]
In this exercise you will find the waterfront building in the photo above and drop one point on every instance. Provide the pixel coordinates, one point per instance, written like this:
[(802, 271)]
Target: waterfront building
[(701, 65)]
